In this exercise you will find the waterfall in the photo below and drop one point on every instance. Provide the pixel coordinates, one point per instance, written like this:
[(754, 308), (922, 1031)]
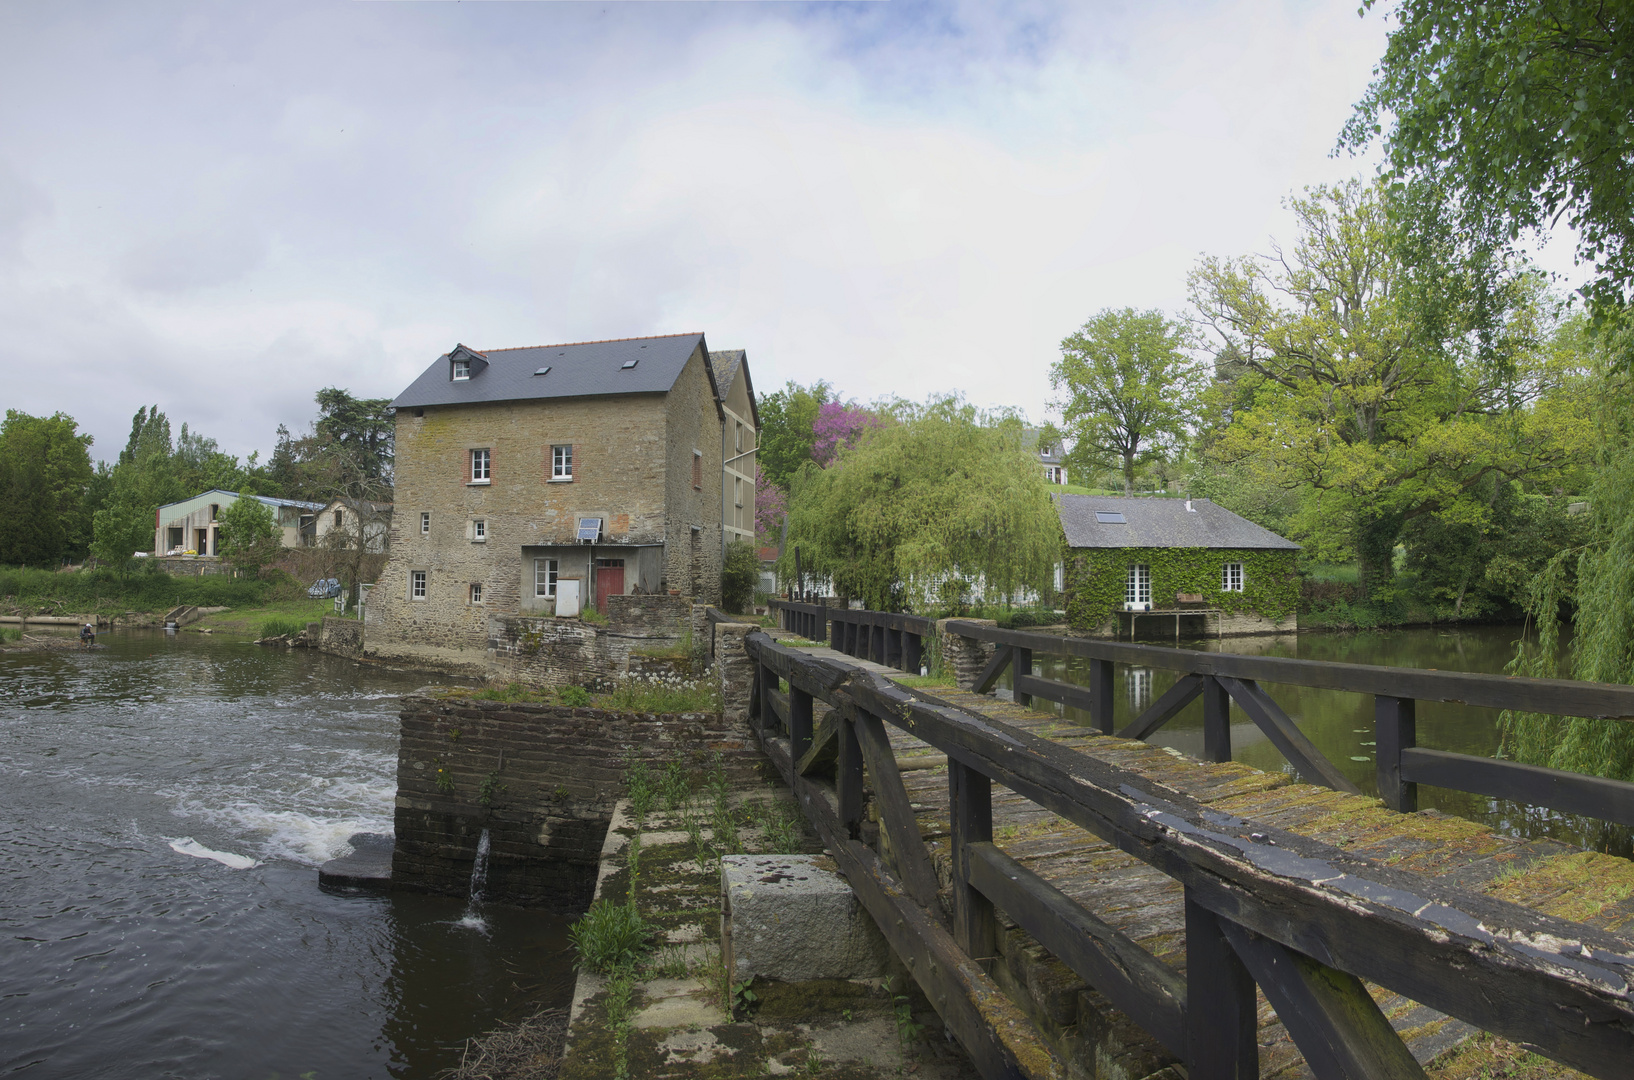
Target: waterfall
[(479, 880)]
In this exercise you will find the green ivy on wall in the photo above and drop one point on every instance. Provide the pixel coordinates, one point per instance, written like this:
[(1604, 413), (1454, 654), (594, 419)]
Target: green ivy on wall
[(1096, 579)]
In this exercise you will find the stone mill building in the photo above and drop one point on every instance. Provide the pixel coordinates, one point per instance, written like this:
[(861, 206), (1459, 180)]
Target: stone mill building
[(533, 482)]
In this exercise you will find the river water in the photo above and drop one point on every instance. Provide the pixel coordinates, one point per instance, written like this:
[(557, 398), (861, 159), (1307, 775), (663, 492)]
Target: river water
[(164, 805), (1341, 724)]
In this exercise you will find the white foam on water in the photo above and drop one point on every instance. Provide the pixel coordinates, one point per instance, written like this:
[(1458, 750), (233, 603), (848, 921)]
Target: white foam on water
[(473, 922), (186, 845)]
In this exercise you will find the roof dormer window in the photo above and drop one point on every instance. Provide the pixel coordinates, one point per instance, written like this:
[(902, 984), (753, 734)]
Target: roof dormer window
[(462, 370)]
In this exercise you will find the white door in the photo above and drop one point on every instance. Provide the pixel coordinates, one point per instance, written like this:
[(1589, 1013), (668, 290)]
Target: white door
[(567, 597)]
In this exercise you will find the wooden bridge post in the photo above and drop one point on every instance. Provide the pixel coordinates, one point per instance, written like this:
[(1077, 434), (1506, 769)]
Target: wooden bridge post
[(1395, 728), (800, 710), (1021, 667), (1216, 721), (768, 687), (848, 777), (970, 803), (1220, 1004), (1100, 695)]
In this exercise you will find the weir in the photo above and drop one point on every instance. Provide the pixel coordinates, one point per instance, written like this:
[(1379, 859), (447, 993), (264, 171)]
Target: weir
[(1074, 900)]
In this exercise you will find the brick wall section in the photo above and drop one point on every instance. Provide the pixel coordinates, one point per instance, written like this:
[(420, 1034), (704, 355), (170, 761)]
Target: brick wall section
[(964, 657), (343, 637), (561, 772)]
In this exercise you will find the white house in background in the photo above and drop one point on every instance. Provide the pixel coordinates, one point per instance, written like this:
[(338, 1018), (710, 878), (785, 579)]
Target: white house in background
[(191, 525), (1050, 454), (343, 514)]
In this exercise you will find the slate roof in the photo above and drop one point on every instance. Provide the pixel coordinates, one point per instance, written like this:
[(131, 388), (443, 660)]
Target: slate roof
[(1161, 523), (728, 363), (584, 369)]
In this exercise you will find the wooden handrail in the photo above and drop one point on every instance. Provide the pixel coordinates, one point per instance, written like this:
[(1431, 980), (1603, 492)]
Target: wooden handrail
[(1305, 919)]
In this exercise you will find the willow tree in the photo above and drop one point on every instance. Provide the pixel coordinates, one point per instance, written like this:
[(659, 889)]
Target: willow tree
[(937, 492), (1376, 379), (1598, 578)]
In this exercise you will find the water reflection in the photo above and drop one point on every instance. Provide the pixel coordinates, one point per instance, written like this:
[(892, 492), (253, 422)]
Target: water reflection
[(1341, 724)]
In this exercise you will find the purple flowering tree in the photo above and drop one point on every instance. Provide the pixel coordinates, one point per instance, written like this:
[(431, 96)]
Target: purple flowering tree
[(771, 508), (837, 427)]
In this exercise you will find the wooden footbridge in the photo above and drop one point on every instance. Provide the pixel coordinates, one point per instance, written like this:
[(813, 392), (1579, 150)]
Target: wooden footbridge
[(1077, 902)]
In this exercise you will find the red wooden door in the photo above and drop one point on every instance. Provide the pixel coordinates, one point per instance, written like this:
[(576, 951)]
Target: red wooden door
[(609, 582)]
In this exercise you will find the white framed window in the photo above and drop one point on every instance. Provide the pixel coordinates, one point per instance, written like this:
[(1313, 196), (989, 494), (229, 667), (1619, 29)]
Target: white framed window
[(462, 370), (544, 577), (476, 592), (481, 466), (1138, 586), (737, 490), (425, 523), (417, 584), (1231, 577), (479, 530), (739, 438), (561, 462)]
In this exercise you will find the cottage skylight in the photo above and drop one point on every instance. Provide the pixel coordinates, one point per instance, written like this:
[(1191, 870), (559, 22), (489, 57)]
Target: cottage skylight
[(589, 530), (1110, 517), (629, 364), (543, 371)]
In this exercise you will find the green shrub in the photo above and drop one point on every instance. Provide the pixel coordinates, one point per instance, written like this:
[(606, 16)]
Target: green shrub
[(592, 616), (280, 626), (662, 694), (740, 573), (609, 936), (575, 697), (513, 692)]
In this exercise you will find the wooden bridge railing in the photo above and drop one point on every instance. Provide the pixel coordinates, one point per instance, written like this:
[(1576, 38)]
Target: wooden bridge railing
[(885, 637), (1301, 920), (1222, 678)]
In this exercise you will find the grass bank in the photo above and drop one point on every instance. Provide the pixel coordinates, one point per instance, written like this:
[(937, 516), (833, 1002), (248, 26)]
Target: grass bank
[(254, 621), (101, 591)]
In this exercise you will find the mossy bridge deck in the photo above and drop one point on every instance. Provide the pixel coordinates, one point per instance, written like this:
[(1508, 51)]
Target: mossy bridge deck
[(1080, 903)]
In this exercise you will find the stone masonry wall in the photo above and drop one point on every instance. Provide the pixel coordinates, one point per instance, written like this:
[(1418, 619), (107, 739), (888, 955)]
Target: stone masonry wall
[(341, 636), (692, 556), (735, 669), (619, 471), (558, 652), (964, 658), (551, 775)]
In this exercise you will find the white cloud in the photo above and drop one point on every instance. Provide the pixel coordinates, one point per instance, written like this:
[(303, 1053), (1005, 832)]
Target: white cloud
[(226, 208)]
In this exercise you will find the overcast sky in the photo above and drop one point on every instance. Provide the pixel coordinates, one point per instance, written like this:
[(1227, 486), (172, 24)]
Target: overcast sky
[(222, 208)]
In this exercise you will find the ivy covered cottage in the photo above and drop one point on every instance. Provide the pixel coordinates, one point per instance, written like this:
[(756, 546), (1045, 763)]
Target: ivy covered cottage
[(1163, 566)]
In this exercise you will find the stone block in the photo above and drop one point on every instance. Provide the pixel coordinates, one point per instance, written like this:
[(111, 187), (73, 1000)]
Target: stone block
[(792, 918)]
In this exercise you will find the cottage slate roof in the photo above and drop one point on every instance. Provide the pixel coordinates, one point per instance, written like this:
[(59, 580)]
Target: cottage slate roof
[(583, 369), (1160, 523)]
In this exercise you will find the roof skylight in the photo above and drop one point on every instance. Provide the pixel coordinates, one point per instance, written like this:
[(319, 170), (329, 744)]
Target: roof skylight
[(628, 364), (543, 371), (1110, 517)]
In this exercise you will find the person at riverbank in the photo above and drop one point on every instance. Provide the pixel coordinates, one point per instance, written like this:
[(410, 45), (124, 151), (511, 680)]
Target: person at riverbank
[(87, 635)]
